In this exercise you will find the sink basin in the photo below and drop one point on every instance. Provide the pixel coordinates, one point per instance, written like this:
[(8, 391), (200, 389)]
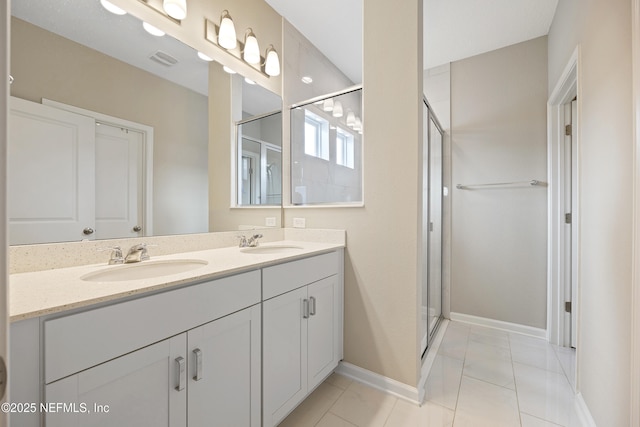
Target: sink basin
[(271, 249), (143, 270)]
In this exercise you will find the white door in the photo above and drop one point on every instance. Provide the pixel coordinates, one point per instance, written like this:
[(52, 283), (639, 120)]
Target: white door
[(119, 182), (570, 229), (284, 354), (574, 228), (224, 371), (323, 330), (50, 174), (138, 389)]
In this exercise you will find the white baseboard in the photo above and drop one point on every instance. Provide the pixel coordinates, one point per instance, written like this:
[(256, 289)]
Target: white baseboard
[(499, 324), (391, 386), (583, 412), (380, 382)]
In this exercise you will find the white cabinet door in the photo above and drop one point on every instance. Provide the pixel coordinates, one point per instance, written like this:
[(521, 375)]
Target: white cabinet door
[(224, 371), (323, 329), (138, 389), (119, 182), (284, 355), (50, 174)]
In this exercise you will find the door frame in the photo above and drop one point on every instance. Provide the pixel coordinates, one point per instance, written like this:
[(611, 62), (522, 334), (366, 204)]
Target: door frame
[(147, 153), (635, 285), (567, 87), (5, 25)]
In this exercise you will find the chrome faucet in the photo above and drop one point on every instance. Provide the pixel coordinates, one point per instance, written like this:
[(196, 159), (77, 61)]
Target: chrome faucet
[(137, 253), (116, 254), (251, 242)]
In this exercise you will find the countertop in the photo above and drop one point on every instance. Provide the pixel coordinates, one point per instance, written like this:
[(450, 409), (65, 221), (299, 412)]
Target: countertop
[(46, 292)]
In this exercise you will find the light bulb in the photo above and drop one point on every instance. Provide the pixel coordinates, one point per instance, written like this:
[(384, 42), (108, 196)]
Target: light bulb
[(272, 62), (351, 119), (337, 109), (177, 9), (152, 30), (358, 125), (251, 52), (204, 57), (227, 34), (327, 105), (112, 8), (249, 81)]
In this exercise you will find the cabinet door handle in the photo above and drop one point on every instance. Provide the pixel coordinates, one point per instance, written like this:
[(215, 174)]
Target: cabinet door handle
[(198, 353), (181, 373), (305, 308), (312, 301)]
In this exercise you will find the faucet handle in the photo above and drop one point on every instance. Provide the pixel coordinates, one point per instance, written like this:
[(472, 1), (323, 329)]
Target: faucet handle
[(253, 240), (242, 241), (116, 254)]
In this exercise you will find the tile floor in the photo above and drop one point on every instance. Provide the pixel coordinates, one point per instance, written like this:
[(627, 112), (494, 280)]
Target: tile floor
[(480, 377)]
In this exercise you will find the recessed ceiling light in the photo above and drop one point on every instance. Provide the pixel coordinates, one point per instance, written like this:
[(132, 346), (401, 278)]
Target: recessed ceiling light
[(204, 57), (249, 81), (307, 80), (112, 7), (153, 30), (228, 70)]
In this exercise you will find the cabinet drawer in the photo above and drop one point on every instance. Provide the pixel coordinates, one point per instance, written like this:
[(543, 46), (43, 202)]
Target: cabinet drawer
[(283, 278), (82, 340)]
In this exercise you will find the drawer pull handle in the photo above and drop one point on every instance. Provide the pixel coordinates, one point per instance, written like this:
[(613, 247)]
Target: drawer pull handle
[(198, 353), (305, 308), (181, 373), (312, 301)]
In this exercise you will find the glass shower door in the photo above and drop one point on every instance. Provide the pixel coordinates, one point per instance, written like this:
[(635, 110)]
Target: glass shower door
[(435, 226)]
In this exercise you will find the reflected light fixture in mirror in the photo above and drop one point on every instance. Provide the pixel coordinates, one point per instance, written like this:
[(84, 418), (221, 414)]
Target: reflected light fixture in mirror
[(249, 81), (307, 80), (112, 8), (327, 105), (351, 119), (177, 9), (251, 52), (152, 30), (227, 33), (337, 109), (272, 62)]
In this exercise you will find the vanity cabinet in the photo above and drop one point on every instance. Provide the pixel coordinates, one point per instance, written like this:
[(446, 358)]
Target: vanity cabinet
[(302, 331), (110, 367), (242, 350)]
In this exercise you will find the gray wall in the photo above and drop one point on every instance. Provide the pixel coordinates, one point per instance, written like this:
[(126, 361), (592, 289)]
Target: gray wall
[(498, 134), (602, 29)]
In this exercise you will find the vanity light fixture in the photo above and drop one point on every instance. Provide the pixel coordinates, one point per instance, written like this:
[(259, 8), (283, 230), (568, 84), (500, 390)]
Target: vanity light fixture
[(228, 70), (153, 30), (249, 81), (307, 80), (272, 62), (227, 33), (204, 57), (351, 119), (337, 109), (177, 9), (112, 8), (358, 125), (251, 53), (327, 105)]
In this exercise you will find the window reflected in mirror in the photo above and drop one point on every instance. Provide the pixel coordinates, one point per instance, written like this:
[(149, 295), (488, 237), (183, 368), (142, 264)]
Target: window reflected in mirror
[(260, 160), (326, 150)]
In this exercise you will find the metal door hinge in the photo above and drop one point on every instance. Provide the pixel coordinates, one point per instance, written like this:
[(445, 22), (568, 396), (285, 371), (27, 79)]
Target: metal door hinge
[(567, 306), (568, 130), (567, 218)]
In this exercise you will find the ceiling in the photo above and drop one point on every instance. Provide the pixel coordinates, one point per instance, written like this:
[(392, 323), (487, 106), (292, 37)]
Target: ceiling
[(453, 29)]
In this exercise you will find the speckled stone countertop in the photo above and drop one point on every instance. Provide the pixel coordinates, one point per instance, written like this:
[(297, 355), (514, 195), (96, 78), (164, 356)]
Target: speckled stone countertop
[(39, 293)]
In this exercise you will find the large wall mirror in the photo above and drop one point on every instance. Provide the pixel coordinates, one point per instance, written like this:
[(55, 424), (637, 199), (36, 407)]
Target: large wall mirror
[(111, 130)]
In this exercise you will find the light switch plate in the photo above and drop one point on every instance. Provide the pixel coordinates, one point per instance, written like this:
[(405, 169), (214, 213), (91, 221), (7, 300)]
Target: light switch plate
[(270, 221), (299, 222)]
